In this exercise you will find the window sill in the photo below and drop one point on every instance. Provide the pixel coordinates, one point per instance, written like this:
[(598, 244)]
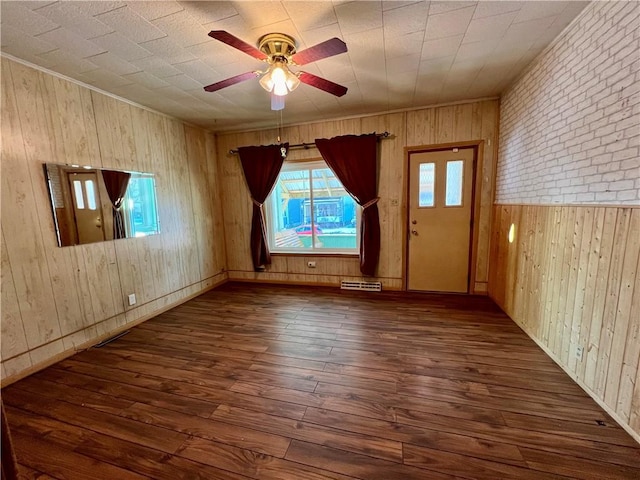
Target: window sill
[(315, 254)]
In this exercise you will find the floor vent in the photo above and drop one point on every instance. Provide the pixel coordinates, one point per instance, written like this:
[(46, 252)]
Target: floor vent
[(366, 286)]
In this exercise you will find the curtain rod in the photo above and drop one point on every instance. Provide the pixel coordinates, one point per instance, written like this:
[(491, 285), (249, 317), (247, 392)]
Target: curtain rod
[(307, 146)]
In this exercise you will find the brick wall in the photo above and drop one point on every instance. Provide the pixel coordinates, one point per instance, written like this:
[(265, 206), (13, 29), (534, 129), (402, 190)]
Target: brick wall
[(570, 125)]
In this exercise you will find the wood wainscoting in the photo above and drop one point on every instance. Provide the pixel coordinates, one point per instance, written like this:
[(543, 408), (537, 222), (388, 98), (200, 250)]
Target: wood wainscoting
[(290, 383), (570, 280)]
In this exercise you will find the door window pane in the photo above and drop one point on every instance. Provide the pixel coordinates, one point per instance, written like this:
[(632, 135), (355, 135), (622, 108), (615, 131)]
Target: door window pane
[(427, 185), (453, 197), (77, 189), (91, 194)]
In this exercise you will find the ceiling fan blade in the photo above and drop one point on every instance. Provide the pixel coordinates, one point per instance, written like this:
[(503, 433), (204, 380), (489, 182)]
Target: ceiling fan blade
[(322, 84), (329, 48), (235, 42), (231, 81)]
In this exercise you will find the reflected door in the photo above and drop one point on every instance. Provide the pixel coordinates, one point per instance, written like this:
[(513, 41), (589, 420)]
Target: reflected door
[(440, 188), (86, 206)]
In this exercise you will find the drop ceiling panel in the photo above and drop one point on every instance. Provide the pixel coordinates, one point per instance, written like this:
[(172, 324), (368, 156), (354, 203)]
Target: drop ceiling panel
[(400, 54)]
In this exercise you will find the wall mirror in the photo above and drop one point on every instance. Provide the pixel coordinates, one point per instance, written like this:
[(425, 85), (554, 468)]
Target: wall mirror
[(94, 204)]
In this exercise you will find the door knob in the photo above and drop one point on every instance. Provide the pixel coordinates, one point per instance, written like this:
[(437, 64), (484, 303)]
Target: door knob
[(413, 222), (414, 232)]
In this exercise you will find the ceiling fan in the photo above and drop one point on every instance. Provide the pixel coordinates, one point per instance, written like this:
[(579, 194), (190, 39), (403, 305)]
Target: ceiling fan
[(279, 52)]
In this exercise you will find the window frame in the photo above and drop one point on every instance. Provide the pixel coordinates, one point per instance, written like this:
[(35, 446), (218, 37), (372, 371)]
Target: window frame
[(309, 166)]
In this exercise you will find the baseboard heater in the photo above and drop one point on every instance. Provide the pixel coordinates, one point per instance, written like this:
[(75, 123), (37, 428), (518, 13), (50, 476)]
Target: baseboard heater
[(366, 286)]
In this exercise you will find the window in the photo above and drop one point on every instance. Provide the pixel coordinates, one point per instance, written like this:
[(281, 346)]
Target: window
[(455, 171), (427, 185), (141, 216), (310, 211)]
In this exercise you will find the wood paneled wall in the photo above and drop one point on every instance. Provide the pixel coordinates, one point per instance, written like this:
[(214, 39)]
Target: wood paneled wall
[(570, 280), (429, 126), (57, 299)]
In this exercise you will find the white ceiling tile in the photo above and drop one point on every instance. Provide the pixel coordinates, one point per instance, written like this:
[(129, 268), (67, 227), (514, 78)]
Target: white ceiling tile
[(147, 80), (131, 25), (67, 15), (490, 8), (199, 71), (285, 26), (533, 10), (121, 46), (440, 65), (407, 64), (35, 4), (15, 38), (357, 17), (156, 66), (154, 10), (21, 18), (436, 8), (404, 45), (72, 43), (393, 4), (477, 49), (66, 63), (448, 24), (262, 13), (310, 15), (96, 8), (526, 32), (184, 82), (441, 47), (183, 29), (409, 19), (310, 38), (105, 80), (113, 63), (166, 49), (488, 28), (208, 12)]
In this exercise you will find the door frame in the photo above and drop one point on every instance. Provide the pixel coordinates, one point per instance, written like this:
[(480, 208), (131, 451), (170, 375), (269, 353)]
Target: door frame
[(478, 148)]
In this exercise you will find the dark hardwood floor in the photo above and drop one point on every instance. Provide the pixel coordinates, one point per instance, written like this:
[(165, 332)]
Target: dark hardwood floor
[(251, 381)]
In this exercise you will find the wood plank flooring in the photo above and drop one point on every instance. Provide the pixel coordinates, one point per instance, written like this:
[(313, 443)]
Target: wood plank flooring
[(264, 382)]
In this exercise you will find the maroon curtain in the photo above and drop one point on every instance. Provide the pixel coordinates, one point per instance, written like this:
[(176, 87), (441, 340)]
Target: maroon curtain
[(116, 184), (9, 462), (261, 166), (354, 160)]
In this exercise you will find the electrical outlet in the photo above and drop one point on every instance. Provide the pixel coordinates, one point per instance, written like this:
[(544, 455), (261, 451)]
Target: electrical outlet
[(311, 264), (579, 352), (394, 202), (132, 299)]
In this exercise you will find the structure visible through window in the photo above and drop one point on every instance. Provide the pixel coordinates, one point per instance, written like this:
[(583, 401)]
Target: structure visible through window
[(140, 206), (309, 210)]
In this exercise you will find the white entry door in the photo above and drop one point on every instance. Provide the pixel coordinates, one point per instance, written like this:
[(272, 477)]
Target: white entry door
[(440, 205)]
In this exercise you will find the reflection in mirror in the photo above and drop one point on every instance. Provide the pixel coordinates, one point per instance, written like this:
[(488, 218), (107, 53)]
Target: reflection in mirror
[(93, 204)]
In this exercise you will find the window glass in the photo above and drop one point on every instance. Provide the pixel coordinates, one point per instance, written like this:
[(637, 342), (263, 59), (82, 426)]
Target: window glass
[(427, 185), (91, 194), (309, 210), (77, 189), (140, 206), (453, 197)]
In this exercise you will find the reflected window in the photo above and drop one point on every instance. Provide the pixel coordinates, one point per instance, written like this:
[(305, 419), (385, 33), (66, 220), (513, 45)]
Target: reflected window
[(79, 194), (140, 207), (91, 194)]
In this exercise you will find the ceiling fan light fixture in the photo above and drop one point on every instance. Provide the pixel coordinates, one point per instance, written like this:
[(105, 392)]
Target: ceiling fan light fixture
[(279, 79)]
